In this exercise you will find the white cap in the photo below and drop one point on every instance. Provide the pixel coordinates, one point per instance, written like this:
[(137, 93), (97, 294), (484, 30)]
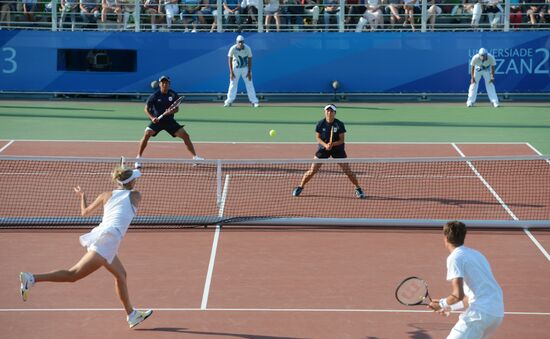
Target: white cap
[(240, 38), (482, 51), (331, 106), (135, 174)]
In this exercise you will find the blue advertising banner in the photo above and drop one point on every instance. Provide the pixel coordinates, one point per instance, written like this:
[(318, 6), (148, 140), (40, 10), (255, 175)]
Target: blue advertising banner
[(381, 62)]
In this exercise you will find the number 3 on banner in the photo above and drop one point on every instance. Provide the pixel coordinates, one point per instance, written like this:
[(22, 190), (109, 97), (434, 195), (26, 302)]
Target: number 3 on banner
[(9, 60)]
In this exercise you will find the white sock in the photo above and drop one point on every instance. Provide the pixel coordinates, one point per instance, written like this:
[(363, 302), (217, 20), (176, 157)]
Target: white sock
[(132, 314)]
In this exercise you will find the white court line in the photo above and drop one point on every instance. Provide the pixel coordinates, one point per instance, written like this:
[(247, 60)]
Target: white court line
[(6, 146), (493, 192), (208, 281), (281, 310), (506, 208)]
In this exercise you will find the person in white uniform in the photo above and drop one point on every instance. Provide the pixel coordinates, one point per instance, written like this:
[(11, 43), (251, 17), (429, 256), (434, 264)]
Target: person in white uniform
[(240, 65), (474, 287), (482, 65), (102, 242)]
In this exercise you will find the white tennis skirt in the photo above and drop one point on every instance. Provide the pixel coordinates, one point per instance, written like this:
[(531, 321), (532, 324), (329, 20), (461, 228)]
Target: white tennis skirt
[(104, 241)]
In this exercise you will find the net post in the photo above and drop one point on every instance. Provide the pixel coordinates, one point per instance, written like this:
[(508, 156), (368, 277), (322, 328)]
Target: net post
[(218, 182)]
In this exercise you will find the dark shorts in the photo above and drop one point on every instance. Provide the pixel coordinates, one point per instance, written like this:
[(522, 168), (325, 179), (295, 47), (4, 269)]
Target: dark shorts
[(169, 125), (336, 153)]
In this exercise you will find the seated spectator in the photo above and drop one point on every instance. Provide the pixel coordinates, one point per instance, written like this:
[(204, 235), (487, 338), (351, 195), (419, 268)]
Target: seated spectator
[(516, 14), (312, 8), (393, 9), (204, 14), (271, 10), (372, 15), (90, 11), (71, 7), (189, 14), (231, 14), (535, 9), (331, 10), (250, 9), (411, 9), (128, 7), (29, 8), (171, 10), (292, 14), (110, 6), (477, 11), (433, 11), (6, 7), (354, 11), (153, 10), (494, 13)]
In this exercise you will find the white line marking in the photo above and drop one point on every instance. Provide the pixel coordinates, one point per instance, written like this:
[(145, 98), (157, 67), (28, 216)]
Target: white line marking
[(537, 243), (6, 146), (290, 310), (210, 272), (525, 230), (495, 194)]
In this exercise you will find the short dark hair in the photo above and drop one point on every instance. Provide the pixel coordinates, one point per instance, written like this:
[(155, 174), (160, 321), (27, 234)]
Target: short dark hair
[(455, 232)]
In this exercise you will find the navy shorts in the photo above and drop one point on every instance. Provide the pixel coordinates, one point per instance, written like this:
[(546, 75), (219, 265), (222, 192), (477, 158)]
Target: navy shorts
[(336, 153), (169, 125)]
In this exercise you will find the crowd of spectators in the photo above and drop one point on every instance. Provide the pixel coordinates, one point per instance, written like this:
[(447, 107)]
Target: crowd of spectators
[(273, 15)]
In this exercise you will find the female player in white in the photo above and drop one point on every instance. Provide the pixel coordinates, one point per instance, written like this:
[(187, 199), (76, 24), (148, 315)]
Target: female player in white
[(473, 287), (102, 242)]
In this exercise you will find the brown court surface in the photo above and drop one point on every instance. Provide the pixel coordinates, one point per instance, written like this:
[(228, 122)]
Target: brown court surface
[(266, 283)]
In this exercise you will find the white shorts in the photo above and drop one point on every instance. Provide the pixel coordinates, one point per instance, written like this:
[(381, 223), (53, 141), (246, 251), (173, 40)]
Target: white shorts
[(103, 241), (473, 324)]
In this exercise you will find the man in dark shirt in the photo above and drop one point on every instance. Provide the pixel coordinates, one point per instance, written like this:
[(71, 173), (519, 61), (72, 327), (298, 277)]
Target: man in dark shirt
[(330, 134), (160, 110)]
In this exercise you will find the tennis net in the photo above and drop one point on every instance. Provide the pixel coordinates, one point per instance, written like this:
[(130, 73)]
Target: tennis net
[(482, 191)]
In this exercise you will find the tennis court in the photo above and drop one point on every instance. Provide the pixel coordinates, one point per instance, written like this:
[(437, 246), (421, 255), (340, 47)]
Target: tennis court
[(277, 282)]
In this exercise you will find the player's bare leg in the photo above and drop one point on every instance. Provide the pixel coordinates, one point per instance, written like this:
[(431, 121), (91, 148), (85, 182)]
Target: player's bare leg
[(89, 263), (143, 142), (351, 176), (181, 133), (309, 174), (117, 269)]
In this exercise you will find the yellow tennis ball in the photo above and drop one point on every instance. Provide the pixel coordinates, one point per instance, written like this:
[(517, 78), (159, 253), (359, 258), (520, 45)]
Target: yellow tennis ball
[(273, 133)]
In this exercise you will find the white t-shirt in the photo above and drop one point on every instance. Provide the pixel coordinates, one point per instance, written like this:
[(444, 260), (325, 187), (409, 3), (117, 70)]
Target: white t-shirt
[(483, 65), (240, 56), (483, 292)]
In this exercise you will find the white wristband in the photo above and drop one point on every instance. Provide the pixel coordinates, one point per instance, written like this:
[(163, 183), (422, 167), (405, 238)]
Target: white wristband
[(443, 303), (457, 306)]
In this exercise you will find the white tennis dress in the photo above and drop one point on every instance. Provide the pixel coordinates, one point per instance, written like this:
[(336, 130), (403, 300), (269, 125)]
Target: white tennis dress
[(105, 239)]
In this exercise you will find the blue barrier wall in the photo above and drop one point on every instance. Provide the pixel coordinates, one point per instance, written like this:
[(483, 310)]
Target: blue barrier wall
[(393, 62)]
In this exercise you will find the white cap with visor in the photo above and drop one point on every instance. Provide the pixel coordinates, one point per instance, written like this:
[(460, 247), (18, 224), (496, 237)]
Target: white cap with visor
[(330, 106), (135, 174)]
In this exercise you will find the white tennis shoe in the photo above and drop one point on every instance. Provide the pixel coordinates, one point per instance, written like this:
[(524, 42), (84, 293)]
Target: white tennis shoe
[(256, 104), (27, 281), (137, 317), (196, 157)]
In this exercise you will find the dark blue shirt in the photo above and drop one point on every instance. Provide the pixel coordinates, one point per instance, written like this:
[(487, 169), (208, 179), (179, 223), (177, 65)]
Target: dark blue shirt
[(158, 103), (323, 128)]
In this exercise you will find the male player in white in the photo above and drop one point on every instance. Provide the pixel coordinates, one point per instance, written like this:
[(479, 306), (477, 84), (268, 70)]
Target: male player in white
[(240, 65), (473, 286), (482, 65)]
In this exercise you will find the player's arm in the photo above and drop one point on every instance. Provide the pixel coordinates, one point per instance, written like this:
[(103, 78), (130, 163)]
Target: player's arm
[(249, 75), (453, 302), (341, 140), (230, 63), (473, 78), (320, 141), (86, 209), (149, 114)]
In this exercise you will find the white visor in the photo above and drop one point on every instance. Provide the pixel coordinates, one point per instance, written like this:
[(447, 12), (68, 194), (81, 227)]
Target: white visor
[(135, 174), (331, 106)]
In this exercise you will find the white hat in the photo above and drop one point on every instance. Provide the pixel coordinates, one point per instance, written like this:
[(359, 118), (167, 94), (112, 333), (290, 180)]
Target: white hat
[(482, 51), (331, 106), (135, 174), (240, 38)]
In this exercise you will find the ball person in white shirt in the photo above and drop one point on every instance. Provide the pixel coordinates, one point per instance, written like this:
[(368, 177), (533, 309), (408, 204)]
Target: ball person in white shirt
[(473, 287), (482, 65), (240, 65), (102, 242)]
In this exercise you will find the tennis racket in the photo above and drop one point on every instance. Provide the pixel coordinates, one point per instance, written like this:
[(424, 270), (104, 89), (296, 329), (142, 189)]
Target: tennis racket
[(413, 291), (331, 134), (174, 105)]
